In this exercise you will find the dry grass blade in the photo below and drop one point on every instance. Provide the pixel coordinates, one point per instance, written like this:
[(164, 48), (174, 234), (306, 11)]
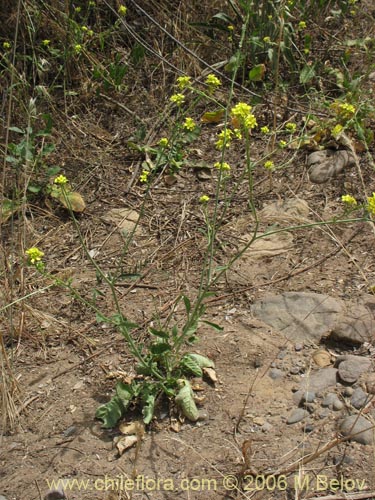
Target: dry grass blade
[(8, 392)]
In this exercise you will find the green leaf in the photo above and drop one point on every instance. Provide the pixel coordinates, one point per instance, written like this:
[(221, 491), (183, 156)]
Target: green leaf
[(188, 364), (125, 393), (111, 412), (148, 400), (160, 348), (187, 304), (202, 361), (307, 73), (33, 188), (159, 333), (216, 327), (52, 171), (185, 401), (175, 332), (16, 129), (100, 318), (256, 74)]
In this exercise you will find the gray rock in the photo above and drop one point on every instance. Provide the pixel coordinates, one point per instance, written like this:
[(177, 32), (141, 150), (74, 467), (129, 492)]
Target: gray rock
[(361, 429), (308, 428), (297, 415), (301, 397), (357, 325), (352, 368), (320, 380), (275, 373), (298, 347), (337, 405), (295, 370), (328, 163), (328, 401), (266, 427), (299, 316), (324, 413), (359, 398), (348, 391)]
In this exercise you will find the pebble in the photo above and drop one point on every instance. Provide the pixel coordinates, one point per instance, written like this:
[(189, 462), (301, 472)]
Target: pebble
[(294, 370), (266, 427), (370, 383), (275, 373), (297, 415), (308, 428), (324, 413), (298, 347), (321, 379), (301, 397), (348, 391), (359, 426), (332, 401), (359, 398), (352, 368)]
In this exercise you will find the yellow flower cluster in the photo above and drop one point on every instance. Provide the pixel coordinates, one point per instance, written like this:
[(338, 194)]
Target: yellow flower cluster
[(348, 200), (61, 179), (189, 124), (265, 130), (241, 112), (291, 127), (213, 82), (371, 204), (183, 82), (34, 255), (224, 139), (269, 165), (144, 176), (336, 131), (222, 165), (122, 10), (178, 99), (204, 198), (163, 142)]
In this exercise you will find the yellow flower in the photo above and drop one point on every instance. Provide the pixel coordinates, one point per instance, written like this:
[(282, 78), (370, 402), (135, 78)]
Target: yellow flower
[(61, 179), (46, 42), (371, 204), (242, 113), (183, 82), (267, 39), (291, 127), (346, 110), (269, 165), (91, 3), (265, 130), (178, 99), (163, 142), (204, 198), (224, 138), (189, 124), (302, 25), (34, 255), (77, 48), (230, 27), (6, 45), (122, 10), (336, 131), (348, 199), (144, 176), (282, 144), (237, 133), (213, 82), (78, 9), (222, 165)]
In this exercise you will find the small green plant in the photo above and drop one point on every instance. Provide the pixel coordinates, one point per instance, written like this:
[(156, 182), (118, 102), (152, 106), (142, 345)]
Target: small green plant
[(162, 370)]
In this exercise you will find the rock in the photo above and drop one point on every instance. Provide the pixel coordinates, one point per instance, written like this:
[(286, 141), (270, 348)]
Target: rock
[(55, 494), (2, 497), (321, 357), (297, 415), (357, 325), (332, 402), (294, 370), (359, 398), (301, 397), (320, 380), (352, 368), (300, 316), (308, 428), (370, 383), (266, 427), (326, 164), (348, 391), (361, 429), (275, 373), (298, 347), (324, 413)]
